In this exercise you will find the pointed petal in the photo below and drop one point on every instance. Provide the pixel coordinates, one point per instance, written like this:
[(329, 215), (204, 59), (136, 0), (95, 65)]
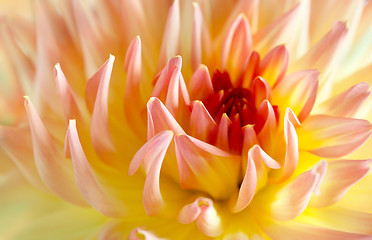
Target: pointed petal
[(261, 91), (223, 133), (265, 125), (204, 167), (274, 65), (171, 35), (236, 47), (99, 127), (54, 169), (340, 177), (160, 119), (200, 84), (293, 198), (346, 104), (66, 94), (205, 215), (332, 137), (298, 91), (202, 126), (87, 183)]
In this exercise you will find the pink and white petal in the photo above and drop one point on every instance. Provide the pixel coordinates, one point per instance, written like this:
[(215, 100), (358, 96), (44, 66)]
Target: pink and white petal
[(138, 234), (99, 127), (53, 168), (339, 178), (133, 101), (293, 230), (171, 36), (87, 183), (274, 65), (204, 167), (203, 212), (200, 83), (347, 103), (202, 126), (160, 119), (298, 91), (333, 137), (236, 47), (290, 201)]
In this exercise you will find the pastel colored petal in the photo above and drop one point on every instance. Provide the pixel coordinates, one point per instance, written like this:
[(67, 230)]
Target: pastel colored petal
[(160, 119), (171, 35), (138, 234), (261, 91), (347, 103), (332, 137), (223, 133), (293, 198), (265, 125), (87, 183), (54, 169), (340, 177), (236, 47), (298, 91), (274, 65), (292, 230), (204, 167), (200, 83), (202, 126), (205, 215), (66, 94)]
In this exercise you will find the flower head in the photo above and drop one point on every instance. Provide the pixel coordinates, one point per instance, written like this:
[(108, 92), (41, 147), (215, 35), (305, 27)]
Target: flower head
[(220, 120)]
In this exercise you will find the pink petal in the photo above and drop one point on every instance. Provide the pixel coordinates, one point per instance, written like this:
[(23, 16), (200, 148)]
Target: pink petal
[(274, 65), (99, 127), (53, 168), (87, 183), (236, 47), (201, 42), (292, 230), (347, 103), (340, 177), (202, 126), (204, 167), (332, 137), (251, 69), (266, 125), (293, 198), (298, 90), (205, 215), (200, 84), (222, 141), (261, 91), (66, 94), (138, 234), (160, 119), (133, 101), (171, 35)]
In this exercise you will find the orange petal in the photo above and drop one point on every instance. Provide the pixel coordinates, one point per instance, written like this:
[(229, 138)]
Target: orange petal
[(202, 126), (223, 133), (340, 177), (200, 84), (298, 91), (204, 167), (266, 125), (87, 183), (332, 137), (293, 198), (171, 35), (261, 91), (54, 169), (346, 104), (236, 47), (274, 65), (205, 215), (160, 119), (99, 127)]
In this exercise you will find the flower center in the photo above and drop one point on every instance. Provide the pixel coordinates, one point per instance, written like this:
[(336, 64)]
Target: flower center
[(240, 104)]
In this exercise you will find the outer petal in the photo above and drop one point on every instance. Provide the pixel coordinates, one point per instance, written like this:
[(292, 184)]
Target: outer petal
[(205, 215), (138, 234), (87, 183), (205, 167), (328, 136), (340, 177), (171, 35), (347, 103)]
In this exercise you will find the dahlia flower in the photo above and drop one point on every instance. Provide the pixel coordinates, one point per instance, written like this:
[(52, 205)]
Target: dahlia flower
[(175, 119)]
